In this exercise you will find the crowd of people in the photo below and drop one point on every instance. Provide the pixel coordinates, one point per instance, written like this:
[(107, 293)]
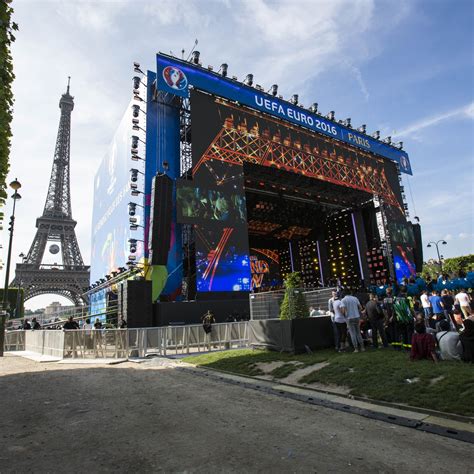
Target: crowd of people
[(435, 325), (71, 323)]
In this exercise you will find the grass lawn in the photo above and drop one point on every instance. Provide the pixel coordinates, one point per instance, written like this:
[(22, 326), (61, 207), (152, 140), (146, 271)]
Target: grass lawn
[(378, 374)]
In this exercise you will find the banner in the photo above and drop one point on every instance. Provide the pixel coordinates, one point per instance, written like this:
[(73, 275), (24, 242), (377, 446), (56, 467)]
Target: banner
[(175, 76)]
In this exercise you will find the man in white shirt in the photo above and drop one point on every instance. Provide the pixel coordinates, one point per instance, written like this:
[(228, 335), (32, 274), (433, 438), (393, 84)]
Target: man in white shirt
[(463, 300), (425, 303), (351, 308)]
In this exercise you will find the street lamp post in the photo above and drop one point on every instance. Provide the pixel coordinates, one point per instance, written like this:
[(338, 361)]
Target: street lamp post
[(18, 294), (15, 185), (436, 244)]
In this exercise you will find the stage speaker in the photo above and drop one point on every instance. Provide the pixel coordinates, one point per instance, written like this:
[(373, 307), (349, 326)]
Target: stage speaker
[(160, 219), (135, 303), (418, 249)]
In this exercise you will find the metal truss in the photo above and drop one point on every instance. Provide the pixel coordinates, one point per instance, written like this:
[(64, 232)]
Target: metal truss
[(56, 225), (236, 144)]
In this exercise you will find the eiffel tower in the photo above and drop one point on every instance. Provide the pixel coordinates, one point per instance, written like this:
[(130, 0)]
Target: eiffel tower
[(56, 226)]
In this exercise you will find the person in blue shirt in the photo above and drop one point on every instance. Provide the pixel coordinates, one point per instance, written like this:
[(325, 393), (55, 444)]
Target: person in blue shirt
[(437, 308)]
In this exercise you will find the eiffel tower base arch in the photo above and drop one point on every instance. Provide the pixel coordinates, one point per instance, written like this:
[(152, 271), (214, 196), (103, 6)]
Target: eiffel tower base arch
[(69, 282)]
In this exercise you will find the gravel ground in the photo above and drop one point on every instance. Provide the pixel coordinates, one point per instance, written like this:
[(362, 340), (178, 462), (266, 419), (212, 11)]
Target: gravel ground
[(150, 418)]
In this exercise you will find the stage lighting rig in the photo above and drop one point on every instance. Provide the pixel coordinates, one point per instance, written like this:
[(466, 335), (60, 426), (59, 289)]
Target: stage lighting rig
[(136, 68), (331, 115), (248, 79), (274, 90), (387, 140), (195, 57), (132, 245), (376, 135), (135, 156), (223, 69), (314, 108), (134, 175), (294, 99), (362, 128)]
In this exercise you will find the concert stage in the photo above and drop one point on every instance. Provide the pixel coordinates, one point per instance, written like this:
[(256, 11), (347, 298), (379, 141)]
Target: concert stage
[(235, 188)]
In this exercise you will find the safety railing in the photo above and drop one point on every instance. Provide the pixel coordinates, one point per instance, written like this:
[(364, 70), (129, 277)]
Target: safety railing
[(125, 343), (14, 341)]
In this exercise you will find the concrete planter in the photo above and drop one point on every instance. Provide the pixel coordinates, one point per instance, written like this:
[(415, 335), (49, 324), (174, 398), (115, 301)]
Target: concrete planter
[(293, 335)]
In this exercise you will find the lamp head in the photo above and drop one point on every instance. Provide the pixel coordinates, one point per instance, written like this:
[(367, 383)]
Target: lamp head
[(444, 242), (15, 185), (429, 245)]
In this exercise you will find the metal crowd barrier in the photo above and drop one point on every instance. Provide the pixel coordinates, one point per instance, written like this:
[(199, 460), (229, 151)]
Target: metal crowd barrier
[(125, 343)]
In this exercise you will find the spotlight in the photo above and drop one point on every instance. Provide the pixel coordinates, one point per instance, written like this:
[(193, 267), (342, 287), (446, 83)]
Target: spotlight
[(136, 84), (274, 90), (249, 79), (223, 69), (134, 142), (133, 175), (362, 128), (399, 145), (347, 122), (132, 220), (132, 258), (314, 107), (132, 245), (108, 277), (132, 209), (135, 110), (376, 135), (103, 280), (417, 219), (133, 227), (331, 115), (195, 57), (294, 99), (136, 68), (210, 68), (122, 269), (135, 192), (387, 140)]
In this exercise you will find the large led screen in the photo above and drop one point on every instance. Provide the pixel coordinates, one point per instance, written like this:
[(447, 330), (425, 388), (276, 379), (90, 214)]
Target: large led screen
[(110, 215), (222, 260), (225, 136), (196, 203)]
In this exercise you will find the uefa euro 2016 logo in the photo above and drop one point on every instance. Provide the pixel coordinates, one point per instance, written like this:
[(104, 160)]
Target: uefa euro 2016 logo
[(175, 78)]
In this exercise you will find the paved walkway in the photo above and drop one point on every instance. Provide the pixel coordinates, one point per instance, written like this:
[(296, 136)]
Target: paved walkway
[(150, 417)]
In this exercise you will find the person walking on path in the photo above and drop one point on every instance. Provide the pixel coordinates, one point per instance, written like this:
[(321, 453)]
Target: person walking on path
[(352, 308)]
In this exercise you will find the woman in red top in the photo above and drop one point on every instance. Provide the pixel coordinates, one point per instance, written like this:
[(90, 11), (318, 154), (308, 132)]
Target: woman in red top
[(422, 344)]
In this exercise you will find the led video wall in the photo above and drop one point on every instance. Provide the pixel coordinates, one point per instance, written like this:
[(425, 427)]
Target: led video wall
[(224, 138), (110, 225)]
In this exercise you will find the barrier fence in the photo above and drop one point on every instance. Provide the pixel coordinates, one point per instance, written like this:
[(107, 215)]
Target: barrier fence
[(125, 343), (267, 305)]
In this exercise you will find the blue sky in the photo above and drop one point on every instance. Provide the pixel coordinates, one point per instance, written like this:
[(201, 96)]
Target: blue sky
[(402, 67)]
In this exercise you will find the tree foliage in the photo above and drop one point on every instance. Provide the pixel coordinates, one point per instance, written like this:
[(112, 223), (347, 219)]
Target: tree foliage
[(294, 303), (7, 29), (451, 266)]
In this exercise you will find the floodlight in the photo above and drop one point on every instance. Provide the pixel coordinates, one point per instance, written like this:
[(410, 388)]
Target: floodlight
[(223, 69), (274, 90), (248, 79)]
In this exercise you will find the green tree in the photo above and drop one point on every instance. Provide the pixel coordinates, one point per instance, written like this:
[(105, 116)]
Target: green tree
[(294, 303), (7, 27), (451, 266)]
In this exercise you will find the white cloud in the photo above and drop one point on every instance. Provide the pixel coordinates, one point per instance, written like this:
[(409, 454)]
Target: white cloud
[(466, 112)]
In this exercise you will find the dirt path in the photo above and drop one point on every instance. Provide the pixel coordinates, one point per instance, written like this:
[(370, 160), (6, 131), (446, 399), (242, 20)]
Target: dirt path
[(137, 418)]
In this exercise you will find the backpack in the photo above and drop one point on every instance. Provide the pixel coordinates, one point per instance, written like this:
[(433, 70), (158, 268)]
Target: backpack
[(402, 310)]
